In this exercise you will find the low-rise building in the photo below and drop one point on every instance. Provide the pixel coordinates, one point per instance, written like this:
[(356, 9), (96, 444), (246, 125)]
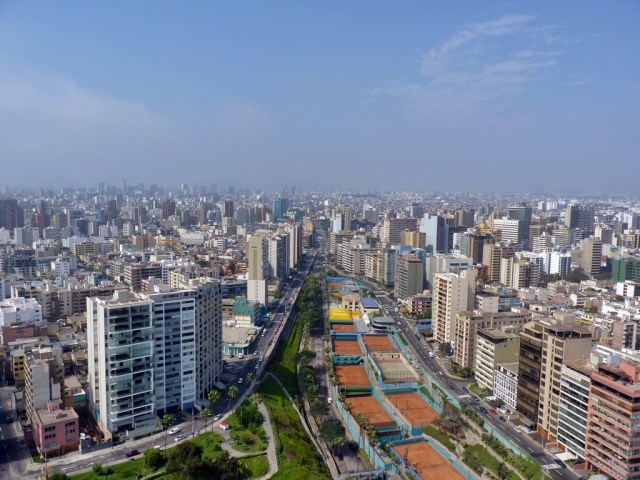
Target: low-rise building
[(55, 431)]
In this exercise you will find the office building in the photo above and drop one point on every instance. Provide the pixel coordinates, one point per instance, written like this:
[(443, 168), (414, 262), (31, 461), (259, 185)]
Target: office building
[(412, 238), (559, 264), (445, 263), (280, 207), (409, 277), (492, 257), (11, 214), (510, 230), (523, 214), (227, 209), (391, 228), (345, 215), (626, 269), (580, 217), (436, 231), (591, 255)]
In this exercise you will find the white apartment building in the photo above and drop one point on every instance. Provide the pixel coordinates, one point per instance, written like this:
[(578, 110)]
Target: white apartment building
[(509, 229), (445, 263), (20, 310), (174, 323), (573, 406), (120, 352), (505, 384)]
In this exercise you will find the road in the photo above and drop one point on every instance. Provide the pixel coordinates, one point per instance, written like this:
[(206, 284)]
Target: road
[(12, 455)]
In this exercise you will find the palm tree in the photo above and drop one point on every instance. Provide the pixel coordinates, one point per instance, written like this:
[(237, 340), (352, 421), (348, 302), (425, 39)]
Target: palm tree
[(256, 398), (232, 393), (165, 422), (213, 397), (206, 414), (503, 471), (249, 376)]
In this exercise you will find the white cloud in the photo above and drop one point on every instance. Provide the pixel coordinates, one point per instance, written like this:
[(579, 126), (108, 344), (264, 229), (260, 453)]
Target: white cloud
[(494, 60)]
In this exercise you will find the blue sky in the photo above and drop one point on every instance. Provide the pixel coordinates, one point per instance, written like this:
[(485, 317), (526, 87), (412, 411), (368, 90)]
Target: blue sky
[(471, 96)]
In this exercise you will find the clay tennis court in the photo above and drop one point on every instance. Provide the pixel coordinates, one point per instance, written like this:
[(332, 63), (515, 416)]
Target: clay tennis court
[(417, 412), (427, 462), (352, 376), (370, 407), (346, 347), (378, 343), (342, 328)]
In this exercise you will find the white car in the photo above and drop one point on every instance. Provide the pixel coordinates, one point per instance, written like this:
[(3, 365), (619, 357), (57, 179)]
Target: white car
[(217, 417), (180, 437), (240, 380), (173, 431), (432, 355)]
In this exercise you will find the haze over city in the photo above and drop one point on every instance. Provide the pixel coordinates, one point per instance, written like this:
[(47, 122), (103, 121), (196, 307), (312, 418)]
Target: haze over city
[(491, 96)]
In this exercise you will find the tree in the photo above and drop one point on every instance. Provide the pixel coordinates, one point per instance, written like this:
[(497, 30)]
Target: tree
[(503, 471), (576, 276), (226, 467), (206, 414), (303, 357), (445, 348), (331, 432), (232, 393), (250, 376), (186, 462), (152, 459), (165, 422)]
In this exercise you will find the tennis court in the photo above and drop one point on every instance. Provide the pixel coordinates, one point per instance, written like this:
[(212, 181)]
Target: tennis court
[(342, 328), (378, 343), (394, 367), (352, 376), (346, 347), (370, 407), (418, 413), (427, 462)]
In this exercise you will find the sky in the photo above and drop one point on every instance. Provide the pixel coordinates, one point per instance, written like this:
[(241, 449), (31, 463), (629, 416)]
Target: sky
[(361, 95)]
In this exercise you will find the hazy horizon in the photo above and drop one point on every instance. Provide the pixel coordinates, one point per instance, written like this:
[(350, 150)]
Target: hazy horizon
[(418, 96)]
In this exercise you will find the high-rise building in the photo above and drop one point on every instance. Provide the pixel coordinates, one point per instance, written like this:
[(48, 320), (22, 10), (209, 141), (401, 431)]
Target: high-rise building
[(591, 255), (391, 228), (580, 217), (492, 257), (573, 408), (465, 218), (509, 229), (227, 209), (174, 376), (346, 216), (121, 362), (613, 422), (475, 243), (559, 264), (436, 231), (11, 214), (626, 269), (493, 347), (412, 238), (277, 246), (443, 263), (280, 207), (409, 277), (452, 294), (522, 213), (168, 208), (257, 269), (545, 345)]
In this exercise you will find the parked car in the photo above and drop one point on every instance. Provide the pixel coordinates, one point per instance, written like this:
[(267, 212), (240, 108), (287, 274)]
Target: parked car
[(502, 419), (217, 417), (493, 411), (131, 453), (173, 431)]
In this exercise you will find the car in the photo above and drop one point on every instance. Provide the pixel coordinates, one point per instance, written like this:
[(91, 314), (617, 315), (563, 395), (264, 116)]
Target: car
[(517, 429), (173, 431), (9, 419), (493, 411), (484, 410), (131, 453), (432, 355), (560, 463), (156, 447), (502, 419), (240, 380), (217, 417), (180, 437)]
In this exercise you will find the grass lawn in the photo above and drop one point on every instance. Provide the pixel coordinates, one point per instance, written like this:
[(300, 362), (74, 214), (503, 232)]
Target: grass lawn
[(247, 441), (443, 438), (297, 456), (125, 470), (210, 443), (258, 465), (283, 365), (481, 392), (488, 460)]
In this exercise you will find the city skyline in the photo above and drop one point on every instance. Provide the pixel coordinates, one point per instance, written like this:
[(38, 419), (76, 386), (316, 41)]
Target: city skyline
[(498, 97)]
